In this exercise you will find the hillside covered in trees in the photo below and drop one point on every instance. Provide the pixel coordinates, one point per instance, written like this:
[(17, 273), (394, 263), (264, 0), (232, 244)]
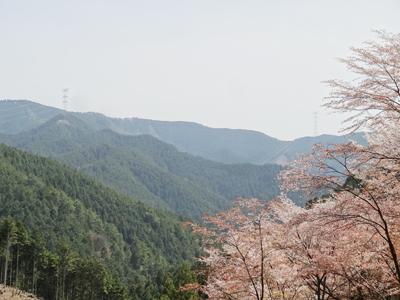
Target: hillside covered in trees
[(148, 169), (137, 244), (28, 265)]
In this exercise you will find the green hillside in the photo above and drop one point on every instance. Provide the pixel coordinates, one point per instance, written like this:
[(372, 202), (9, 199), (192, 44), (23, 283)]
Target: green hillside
[(134, 240), (23, 115), (148, 169)]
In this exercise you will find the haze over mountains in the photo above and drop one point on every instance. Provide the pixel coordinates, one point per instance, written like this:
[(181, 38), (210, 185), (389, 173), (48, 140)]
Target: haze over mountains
[(222, 145)]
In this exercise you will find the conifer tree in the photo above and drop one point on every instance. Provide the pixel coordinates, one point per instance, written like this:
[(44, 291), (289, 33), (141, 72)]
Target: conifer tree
[(8, 234), (21, 239)]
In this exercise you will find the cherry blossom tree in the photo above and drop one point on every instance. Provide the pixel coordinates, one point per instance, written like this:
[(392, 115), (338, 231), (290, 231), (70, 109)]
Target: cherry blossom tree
[(346, 245), (366, 215), (373, 97), (244, 255), (337, 257), (310, 251)]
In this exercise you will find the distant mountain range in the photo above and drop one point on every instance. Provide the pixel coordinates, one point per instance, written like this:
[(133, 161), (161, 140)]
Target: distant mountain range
[(222, 145), (147, 168)]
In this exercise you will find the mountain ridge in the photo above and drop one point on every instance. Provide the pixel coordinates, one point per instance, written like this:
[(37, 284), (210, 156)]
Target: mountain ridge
[(218, 144)]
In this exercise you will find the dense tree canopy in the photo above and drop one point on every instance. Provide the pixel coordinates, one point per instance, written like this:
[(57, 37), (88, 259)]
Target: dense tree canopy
[(63, 275), (134, 241)]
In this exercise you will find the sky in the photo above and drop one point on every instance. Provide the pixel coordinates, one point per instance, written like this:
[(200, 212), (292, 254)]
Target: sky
[(257, 65)]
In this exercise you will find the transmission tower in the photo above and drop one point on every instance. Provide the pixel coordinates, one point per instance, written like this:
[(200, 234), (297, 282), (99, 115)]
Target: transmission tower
[(65, 99), (315, 123)]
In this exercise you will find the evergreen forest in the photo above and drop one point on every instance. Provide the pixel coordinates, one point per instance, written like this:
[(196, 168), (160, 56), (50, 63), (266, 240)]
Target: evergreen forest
[(134, 246)]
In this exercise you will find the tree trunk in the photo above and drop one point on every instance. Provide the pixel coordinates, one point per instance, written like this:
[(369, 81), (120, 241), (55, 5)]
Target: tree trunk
[(57, 289), (1, 268), (63, 286), (33, 277), (16, 273), (11, 271), (6, 264)]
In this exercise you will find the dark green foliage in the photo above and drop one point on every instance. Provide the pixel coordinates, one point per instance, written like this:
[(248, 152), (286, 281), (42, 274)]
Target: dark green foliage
[(351, 184), (62, 275), (135, 241), (26, 193), (311, 202), (172, 286)]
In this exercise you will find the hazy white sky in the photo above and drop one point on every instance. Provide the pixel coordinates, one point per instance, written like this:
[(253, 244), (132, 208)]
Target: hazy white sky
[(222, 63)]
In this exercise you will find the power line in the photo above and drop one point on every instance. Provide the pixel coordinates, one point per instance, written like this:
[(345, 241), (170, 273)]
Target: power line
[(315, 123), (65, 99)]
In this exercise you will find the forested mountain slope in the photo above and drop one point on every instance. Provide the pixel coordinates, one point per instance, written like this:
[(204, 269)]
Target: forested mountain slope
[(22, 115), (135, 241), (147, 168), (223, 145)]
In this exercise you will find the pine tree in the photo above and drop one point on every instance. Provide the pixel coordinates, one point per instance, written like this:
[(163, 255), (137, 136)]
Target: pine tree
[(21, 239), (7, 233)]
